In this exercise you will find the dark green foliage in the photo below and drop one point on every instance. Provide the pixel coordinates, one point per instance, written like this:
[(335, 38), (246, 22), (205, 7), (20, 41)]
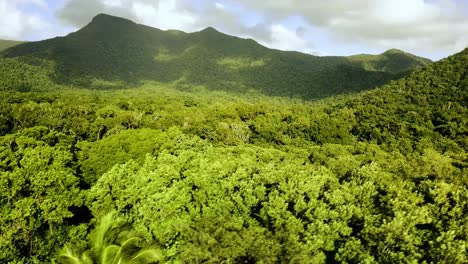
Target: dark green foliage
[(25, 75), (111, 52)]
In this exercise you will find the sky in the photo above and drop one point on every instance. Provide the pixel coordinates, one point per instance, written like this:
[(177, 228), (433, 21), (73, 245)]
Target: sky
[(430, 28)]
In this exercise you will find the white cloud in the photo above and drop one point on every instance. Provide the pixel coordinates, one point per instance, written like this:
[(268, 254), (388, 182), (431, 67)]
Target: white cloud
[(15, 23), (414, 25), (165, 15), (284, 39), (402, 12), (113, 3), (220, 6)]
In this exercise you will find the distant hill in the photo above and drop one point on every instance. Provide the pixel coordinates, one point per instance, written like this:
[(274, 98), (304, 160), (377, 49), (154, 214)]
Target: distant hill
[(113, 52), (5, 44), (393, 61)]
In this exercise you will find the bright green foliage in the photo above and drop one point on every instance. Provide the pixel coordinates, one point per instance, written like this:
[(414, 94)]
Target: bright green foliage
[(110, 52), (39, 192), (130, 144), (113, 242), (260, 204), (203, 208)]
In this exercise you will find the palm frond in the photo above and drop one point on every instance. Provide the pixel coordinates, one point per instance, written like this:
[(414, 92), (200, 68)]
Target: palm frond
[(112, 242), (147, 255), (108, 231), (110, 254), (130, 247), (67, 256)]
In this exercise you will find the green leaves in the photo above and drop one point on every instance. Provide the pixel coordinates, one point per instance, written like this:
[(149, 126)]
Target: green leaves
[(39, 190), (264, 204), (113, 242), (201, 207), (67, 256), (26, 75)]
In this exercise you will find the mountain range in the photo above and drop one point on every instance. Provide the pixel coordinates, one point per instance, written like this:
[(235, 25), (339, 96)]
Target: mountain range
[(112, 52)]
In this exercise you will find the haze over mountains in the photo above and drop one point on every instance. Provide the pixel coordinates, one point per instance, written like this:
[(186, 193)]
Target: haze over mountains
[(112, 52)]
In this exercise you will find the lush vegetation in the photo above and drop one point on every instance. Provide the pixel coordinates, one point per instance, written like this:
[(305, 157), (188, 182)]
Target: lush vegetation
[(112, 53), (205, 176)]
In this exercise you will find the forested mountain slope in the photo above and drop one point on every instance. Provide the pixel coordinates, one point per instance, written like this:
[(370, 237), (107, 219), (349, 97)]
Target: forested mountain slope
[(426, 105), (112, 52)]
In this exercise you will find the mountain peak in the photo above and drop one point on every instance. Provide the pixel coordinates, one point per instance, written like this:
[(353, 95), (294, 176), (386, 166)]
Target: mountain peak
[(210, 30), (105, 18), (401, 54), (394, 51)]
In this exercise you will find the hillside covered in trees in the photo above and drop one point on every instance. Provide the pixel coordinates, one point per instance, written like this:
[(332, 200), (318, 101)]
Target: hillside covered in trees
[(203, 176), (112, 52)]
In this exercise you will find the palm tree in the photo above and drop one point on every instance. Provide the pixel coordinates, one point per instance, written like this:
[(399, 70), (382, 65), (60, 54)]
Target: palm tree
[(113, 242)]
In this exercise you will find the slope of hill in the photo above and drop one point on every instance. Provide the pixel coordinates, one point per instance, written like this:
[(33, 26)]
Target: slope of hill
[(424, 107), (5, 44), (26, 74), (112, 49)]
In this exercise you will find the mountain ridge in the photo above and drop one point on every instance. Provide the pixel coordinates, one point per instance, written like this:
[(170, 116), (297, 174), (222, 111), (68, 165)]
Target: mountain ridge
[(115, 49)]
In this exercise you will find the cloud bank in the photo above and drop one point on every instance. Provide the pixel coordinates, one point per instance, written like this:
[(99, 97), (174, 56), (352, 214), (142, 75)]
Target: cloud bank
[(409, 24), (15, 23)]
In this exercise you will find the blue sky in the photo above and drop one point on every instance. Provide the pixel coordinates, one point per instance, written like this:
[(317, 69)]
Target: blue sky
[(429, 28)]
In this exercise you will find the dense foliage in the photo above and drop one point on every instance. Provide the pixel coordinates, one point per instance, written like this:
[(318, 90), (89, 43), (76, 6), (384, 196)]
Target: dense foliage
[(112, 52), (377, 177), (26, 74)]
